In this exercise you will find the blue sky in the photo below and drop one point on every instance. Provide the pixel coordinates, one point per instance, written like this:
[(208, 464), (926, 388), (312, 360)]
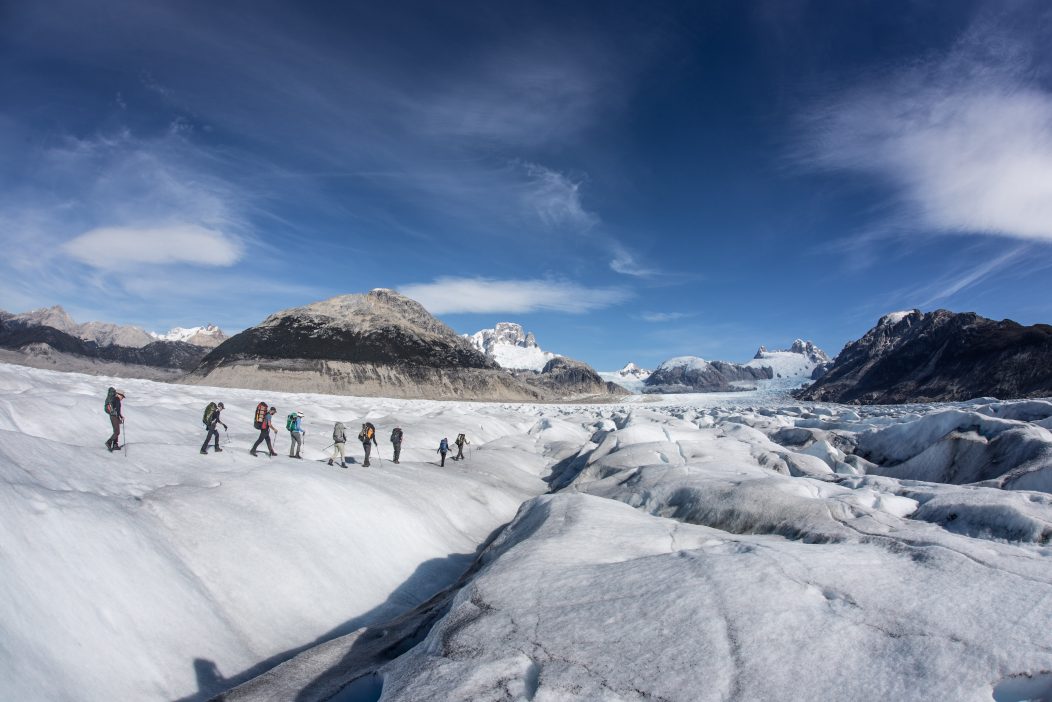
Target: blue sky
[(631, 181)]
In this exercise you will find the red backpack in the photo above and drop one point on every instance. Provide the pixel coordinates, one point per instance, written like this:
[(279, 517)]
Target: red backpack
[(261, 414)]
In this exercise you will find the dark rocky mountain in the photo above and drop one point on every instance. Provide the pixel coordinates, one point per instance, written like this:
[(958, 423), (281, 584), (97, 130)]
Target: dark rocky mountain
[(939, 356), (692, 374), (28, 337), (380, 343)]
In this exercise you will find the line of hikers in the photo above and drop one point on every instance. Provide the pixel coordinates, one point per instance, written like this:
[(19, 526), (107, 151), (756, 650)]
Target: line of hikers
[(264, 422)]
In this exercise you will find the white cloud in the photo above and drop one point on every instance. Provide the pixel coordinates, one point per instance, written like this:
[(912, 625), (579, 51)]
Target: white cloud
[(556, 199), (483, 295), (625, 263), (966, 141), (116, 247)]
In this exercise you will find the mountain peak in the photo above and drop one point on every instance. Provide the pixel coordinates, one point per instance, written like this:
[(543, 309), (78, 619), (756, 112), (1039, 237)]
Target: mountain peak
[(511, 346)]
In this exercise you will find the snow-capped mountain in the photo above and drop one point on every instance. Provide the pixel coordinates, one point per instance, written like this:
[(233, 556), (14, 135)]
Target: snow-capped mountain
[(630, 377), (108, 334), (511, 346), (796, 363), (209, 335), (693, 374)]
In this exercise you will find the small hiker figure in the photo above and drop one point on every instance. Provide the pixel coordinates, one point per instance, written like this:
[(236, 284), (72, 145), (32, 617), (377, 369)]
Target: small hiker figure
[(339, 438), (396, 442), (212, 422), (368, 438), (443, 448), (114, 398), (460, 442), (265, 423), (294, 425)]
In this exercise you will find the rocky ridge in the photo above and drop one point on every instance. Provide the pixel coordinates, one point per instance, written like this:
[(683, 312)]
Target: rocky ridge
[(939, 356), (378, 343)]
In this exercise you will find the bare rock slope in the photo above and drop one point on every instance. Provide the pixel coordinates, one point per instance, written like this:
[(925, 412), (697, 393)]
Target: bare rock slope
[(939, 356), (378, 343)]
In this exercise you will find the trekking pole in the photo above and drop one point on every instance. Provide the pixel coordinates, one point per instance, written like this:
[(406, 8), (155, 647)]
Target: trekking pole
[(125, 439)]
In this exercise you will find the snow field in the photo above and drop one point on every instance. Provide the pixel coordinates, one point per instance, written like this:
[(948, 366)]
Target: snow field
[(120, 571), (694, 548)]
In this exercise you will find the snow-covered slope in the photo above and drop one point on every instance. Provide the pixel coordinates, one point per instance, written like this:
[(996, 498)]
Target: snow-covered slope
[(511, 347), (209, 335), (631, 377), (795, 364), (688, 545), (126, 576)]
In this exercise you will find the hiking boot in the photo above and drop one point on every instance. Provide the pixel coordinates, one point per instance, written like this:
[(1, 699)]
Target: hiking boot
[(343, 465), (204, 452), (330, 462), (253, 452), (108, 442), (218, 449), (365, 465), (273, 453)]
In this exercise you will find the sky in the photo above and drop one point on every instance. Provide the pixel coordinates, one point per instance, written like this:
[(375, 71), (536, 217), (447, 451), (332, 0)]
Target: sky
[(630, 181)]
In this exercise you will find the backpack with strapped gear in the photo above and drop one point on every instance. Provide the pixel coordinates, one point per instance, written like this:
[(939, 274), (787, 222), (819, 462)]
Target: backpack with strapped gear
[(461, 440), (367, 433), (290, 421), (209, 411), (396, 436), (443, 445), (339, 433), (261, 414), (111, 395)]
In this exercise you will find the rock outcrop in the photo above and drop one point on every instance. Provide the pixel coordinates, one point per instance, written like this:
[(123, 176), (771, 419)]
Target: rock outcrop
[(939, 356)]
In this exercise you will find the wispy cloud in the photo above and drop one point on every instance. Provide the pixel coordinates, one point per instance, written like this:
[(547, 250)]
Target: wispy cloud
[(665, 316), (485, 295), (556, 199), (965, 140)]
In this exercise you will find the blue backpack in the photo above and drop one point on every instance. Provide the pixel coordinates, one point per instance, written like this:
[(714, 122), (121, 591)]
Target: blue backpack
[(443, 445)]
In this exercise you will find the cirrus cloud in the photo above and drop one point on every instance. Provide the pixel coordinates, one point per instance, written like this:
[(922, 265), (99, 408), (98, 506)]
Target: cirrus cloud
[(488, 296)]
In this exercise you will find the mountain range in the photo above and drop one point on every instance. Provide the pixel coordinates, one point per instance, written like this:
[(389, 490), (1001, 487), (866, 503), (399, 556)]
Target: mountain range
[(384, 344)]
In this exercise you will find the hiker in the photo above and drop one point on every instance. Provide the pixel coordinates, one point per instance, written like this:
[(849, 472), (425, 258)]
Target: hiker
[(212, 422), (265, 423), (443, 448), (294, 424), (368, 438), (460, 442), (396, 442), (114, 398), (339, 438)]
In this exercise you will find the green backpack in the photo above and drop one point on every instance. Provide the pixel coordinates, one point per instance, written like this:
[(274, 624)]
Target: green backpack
[(290, 421), (209, 411)]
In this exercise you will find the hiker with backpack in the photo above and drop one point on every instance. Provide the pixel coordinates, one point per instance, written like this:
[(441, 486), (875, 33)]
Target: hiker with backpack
[(460, 442), (339, 438), (212, 421), (443, 449), (294, 425), (114, 398), (396, 442), (368, 438), (265, 423)]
